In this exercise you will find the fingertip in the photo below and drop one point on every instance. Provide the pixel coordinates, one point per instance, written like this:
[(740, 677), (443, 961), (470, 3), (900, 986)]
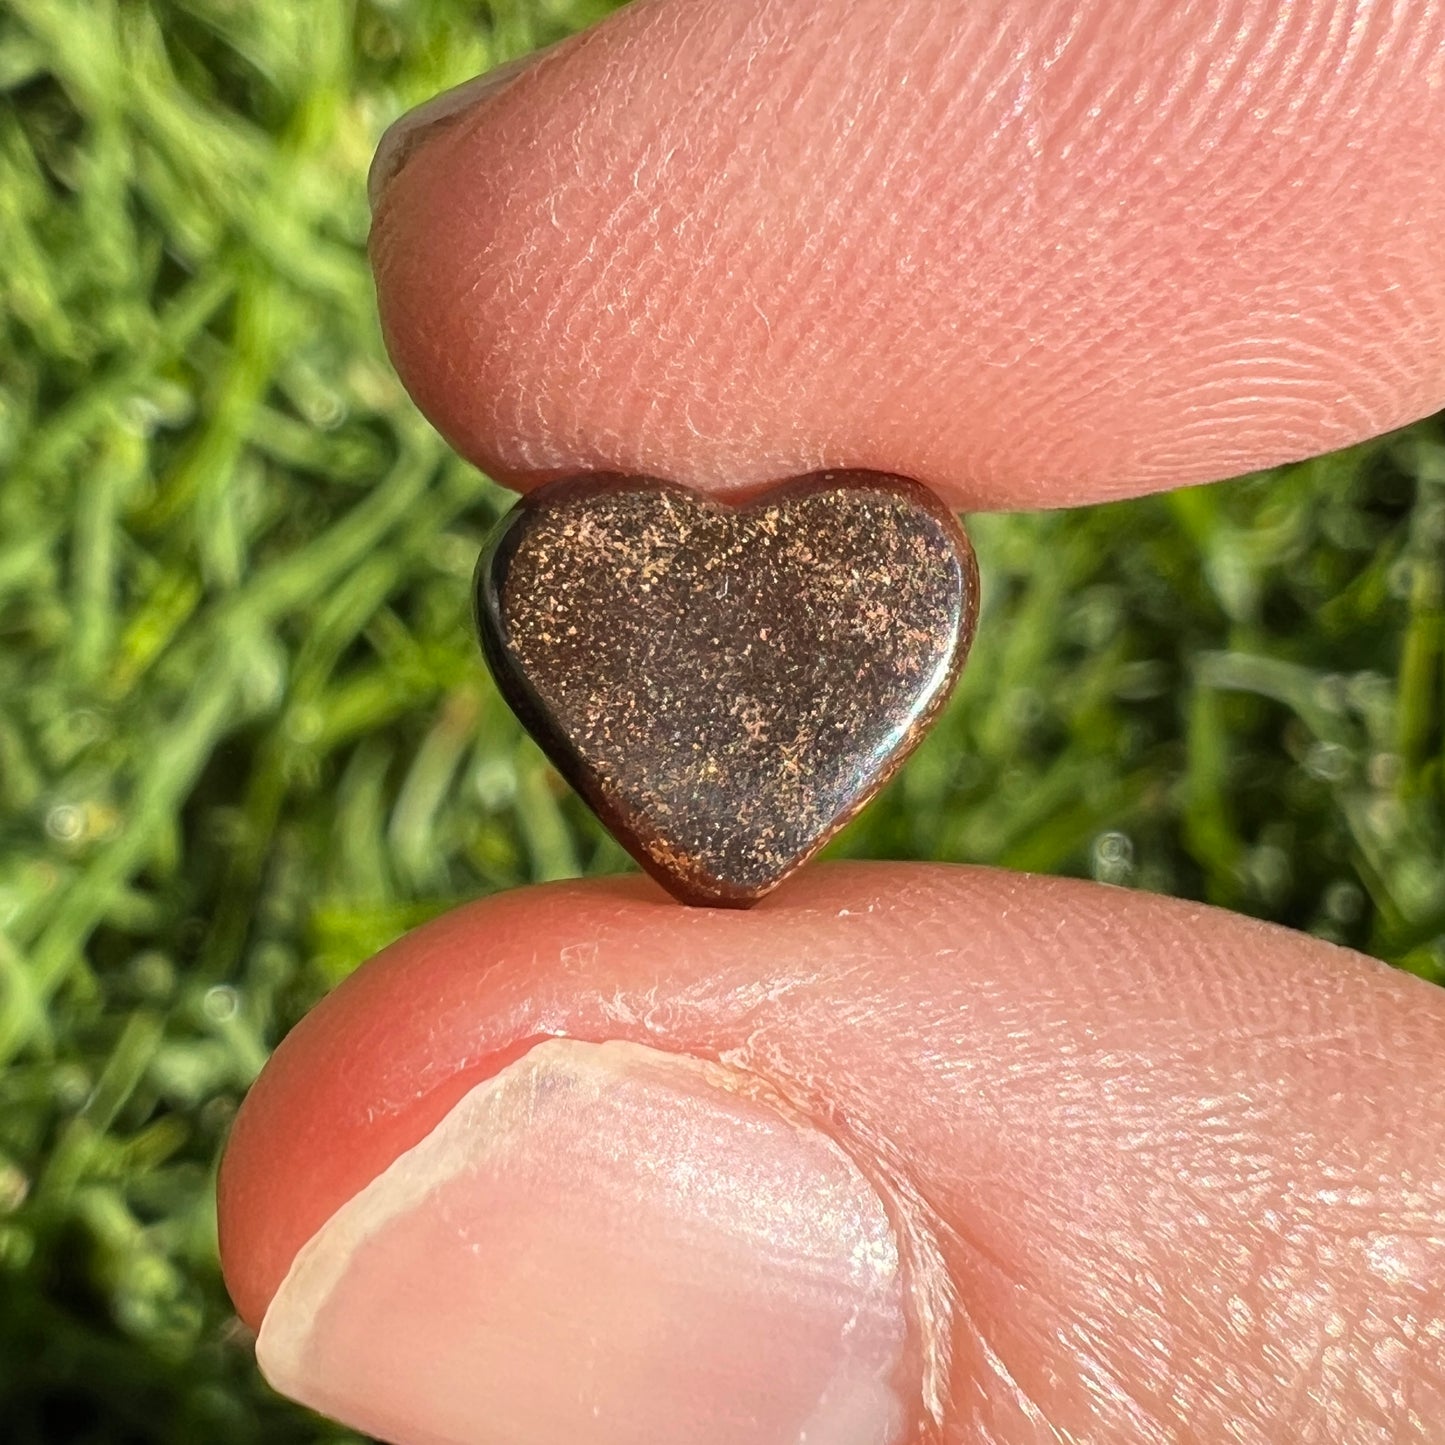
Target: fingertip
[(1032, 257), (1027, 1074)]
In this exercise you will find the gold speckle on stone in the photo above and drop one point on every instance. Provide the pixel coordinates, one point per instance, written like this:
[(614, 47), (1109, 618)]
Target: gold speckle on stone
[(727, 685)]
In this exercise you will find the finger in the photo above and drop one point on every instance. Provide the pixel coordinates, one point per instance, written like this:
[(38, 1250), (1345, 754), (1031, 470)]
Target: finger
[(1031, 253), (908, 1152)]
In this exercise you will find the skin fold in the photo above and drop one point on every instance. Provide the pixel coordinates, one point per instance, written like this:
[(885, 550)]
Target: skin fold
[(1158, 1174)]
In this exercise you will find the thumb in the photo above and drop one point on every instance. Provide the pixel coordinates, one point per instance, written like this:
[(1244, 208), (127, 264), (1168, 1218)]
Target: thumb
[(906, 1153), (1032, 254)]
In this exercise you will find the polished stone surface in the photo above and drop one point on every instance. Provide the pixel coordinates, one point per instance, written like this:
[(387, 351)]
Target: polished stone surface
[(726, 685)]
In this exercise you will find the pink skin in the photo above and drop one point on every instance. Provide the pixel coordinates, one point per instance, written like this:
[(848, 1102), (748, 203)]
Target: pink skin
[(1040, 254), (1161, 1174), (1186, 1171)]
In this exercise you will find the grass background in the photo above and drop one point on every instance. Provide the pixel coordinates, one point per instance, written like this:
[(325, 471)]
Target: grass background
[(246, 739)]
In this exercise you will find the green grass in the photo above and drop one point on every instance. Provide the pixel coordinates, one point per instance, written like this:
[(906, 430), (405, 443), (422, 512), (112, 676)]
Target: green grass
[(245, 737)]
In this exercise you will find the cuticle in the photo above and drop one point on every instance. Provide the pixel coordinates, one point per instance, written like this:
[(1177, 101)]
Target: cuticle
[(929, 1303)]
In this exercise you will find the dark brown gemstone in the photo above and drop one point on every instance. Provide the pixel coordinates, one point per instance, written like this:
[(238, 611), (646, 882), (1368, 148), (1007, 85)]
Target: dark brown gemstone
[(727, 685)]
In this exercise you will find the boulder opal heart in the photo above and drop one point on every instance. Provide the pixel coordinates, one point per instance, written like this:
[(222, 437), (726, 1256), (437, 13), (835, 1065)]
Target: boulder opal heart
[(727, 685)]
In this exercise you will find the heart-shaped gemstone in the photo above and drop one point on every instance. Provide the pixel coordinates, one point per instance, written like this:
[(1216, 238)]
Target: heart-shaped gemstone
[(727, 685)]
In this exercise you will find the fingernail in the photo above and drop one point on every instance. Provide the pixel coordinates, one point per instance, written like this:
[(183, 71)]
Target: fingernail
[(401, 139), (604, 1245)]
